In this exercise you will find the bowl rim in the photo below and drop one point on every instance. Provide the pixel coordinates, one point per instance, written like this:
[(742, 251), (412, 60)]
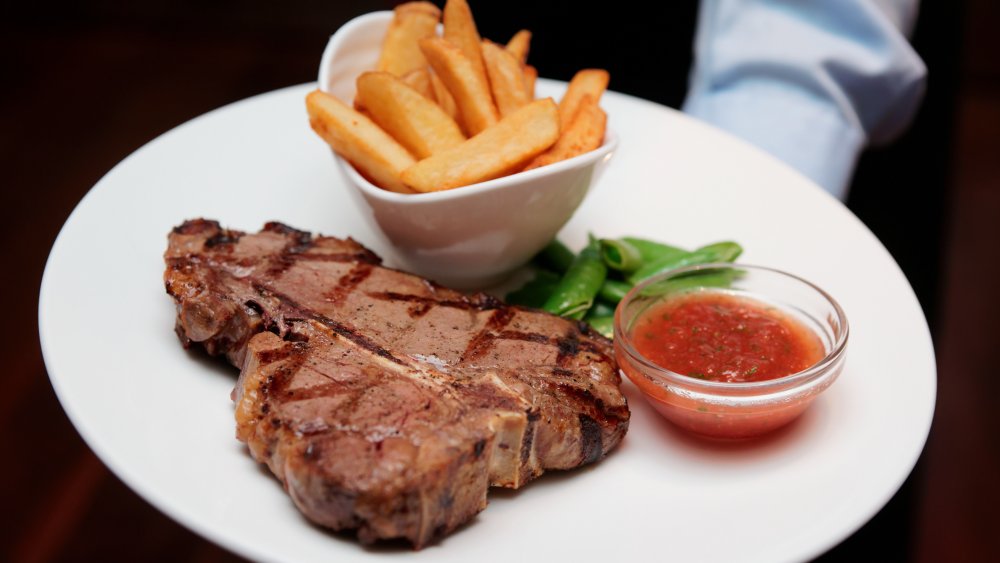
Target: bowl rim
[(663, 377), (341, 36), (589, 158)]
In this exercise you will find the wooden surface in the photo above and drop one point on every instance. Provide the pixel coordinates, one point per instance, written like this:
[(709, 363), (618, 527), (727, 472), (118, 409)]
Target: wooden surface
[(86, 84)]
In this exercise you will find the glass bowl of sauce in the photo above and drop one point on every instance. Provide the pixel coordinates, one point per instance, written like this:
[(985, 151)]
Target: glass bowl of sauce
[(730, 351)]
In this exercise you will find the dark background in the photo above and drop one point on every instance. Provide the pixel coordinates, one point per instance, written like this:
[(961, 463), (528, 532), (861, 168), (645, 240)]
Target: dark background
[(85, 84)]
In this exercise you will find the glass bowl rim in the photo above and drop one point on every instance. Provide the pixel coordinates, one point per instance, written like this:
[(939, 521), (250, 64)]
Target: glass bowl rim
[(662, 376)]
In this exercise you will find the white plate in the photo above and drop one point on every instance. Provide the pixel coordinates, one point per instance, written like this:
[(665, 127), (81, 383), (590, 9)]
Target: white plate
[(162, 420)]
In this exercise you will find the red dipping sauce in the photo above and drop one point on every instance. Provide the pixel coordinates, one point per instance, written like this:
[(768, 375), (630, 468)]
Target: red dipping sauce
[(719, 337), (734, 362)]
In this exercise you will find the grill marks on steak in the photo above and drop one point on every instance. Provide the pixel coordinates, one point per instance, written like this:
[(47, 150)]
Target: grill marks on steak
[(384, 402)]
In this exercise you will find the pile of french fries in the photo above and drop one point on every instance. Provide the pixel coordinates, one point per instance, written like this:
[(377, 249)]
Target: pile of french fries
[(439, 112)]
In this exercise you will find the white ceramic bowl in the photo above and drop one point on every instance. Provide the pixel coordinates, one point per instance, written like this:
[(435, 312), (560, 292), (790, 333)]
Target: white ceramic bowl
[(468, 237)]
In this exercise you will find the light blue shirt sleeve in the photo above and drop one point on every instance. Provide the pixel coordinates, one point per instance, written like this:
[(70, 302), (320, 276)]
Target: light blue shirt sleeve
[(810, 81)]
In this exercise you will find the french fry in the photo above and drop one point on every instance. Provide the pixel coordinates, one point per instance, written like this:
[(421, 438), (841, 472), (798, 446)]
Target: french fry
[(590, 81), (411, 22), (470, 90), (444, 97), (407, 131), (460, 29), (506, 78), (498, 150), (530, 77), (420, 80), (519, 45), (584, 134), (419, 124), (359, 140)]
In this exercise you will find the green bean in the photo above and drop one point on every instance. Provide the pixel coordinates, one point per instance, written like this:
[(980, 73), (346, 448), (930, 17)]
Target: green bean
[(579, 285), (613, 291), (620, 255), (604, 325), (600, 309), (715, 277), (726, 251), (716, 252), (555, 256), (651, 250), (536, 291)]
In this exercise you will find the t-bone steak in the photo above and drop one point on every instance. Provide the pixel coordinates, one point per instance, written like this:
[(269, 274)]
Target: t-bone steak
[(384, 402)]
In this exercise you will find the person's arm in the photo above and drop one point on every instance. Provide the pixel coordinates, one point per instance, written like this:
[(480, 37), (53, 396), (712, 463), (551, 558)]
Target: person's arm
[(810, 81)]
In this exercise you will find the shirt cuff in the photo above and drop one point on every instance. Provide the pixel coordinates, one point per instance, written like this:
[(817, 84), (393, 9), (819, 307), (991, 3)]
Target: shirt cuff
[(793, 125)]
